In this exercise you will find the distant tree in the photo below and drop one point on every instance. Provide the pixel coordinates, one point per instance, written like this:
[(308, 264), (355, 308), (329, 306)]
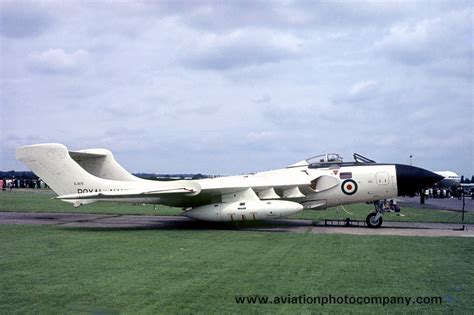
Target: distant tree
[(462, 179)]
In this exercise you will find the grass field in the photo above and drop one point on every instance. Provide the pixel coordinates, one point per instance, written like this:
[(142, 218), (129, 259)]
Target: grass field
[(40, 201), (55, 270)]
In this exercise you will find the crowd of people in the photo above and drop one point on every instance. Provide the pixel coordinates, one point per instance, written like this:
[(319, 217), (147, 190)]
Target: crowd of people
[(439, 193), (9, 184)]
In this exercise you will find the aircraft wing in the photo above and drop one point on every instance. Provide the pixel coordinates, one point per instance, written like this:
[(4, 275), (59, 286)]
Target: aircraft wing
[(191, 194)]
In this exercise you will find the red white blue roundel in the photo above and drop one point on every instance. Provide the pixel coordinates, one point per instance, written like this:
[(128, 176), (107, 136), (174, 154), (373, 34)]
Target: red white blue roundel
[(349, 187)]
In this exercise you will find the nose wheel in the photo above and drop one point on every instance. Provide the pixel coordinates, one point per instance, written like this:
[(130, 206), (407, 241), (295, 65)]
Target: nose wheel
[(375, 219)]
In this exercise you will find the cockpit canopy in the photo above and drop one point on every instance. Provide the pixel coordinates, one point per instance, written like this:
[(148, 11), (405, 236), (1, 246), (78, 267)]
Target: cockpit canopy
[(325, 158), (329, 159)]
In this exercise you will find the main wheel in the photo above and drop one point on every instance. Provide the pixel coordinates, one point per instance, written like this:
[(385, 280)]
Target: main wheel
[(372, 222)]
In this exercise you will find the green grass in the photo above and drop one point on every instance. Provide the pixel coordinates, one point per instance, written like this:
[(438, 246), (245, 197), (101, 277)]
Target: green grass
[(53, 270), (40, 201)]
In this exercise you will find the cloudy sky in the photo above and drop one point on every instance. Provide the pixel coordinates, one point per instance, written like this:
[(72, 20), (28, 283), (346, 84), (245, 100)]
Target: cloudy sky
[(226, 87)]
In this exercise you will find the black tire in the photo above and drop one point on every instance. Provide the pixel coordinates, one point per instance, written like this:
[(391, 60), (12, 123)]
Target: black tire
[(371, 223)]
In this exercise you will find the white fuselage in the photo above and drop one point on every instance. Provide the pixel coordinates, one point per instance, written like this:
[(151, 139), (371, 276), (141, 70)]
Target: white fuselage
[(87, 176), (451, 179), (320, 188), (372, 182)]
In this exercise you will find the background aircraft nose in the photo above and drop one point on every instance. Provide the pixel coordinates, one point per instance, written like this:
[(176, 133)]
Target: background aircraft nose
[(411, 179)]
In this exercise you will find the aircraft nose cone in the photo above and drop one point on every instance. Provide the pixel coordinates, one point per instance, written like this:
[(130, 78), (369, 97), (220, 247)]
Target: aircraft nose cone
[(411, 179)]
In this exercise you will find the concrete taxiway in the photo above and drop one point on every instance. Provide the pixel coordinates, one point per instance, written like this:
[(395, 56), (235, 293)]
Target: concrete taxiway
[(97, 221)]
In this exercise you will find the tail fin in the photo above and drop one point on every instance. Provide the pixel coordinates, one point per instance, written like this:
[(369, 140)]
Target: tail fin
[(101, 163), (53, 164)]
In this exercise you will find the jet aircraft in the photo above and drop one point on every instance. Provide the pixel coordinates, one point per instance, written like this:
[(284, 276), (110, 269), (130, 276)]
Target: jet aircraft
[(87, 176), (450, 179)]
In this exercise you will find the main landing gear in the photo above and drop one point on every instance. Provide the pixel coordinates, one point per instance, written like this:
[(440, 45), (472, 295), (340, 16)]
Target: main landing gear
[(374, 219)]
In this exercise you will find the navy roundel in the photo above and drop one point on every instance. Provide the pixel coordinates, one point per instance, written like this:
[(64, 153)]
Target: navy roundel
[(349, 187)]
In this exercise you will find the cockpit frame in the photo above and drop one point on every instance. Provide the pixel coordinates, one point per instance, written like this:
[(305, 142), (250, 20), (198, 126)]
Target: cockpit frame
[(335, 160)]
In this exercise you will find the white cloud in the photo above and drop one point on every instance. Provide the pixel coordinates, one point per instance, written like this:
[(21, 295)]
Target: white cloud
[(447, 36), (241, 48), (264, 99), (58, 61), (24, 19), (261, 136), (422, 114), (363, 87), (234, 83)]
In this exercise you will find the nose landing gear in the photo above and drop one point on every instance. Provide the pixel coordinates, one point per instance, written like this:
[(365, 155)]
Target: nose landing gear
[(375, 219)]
